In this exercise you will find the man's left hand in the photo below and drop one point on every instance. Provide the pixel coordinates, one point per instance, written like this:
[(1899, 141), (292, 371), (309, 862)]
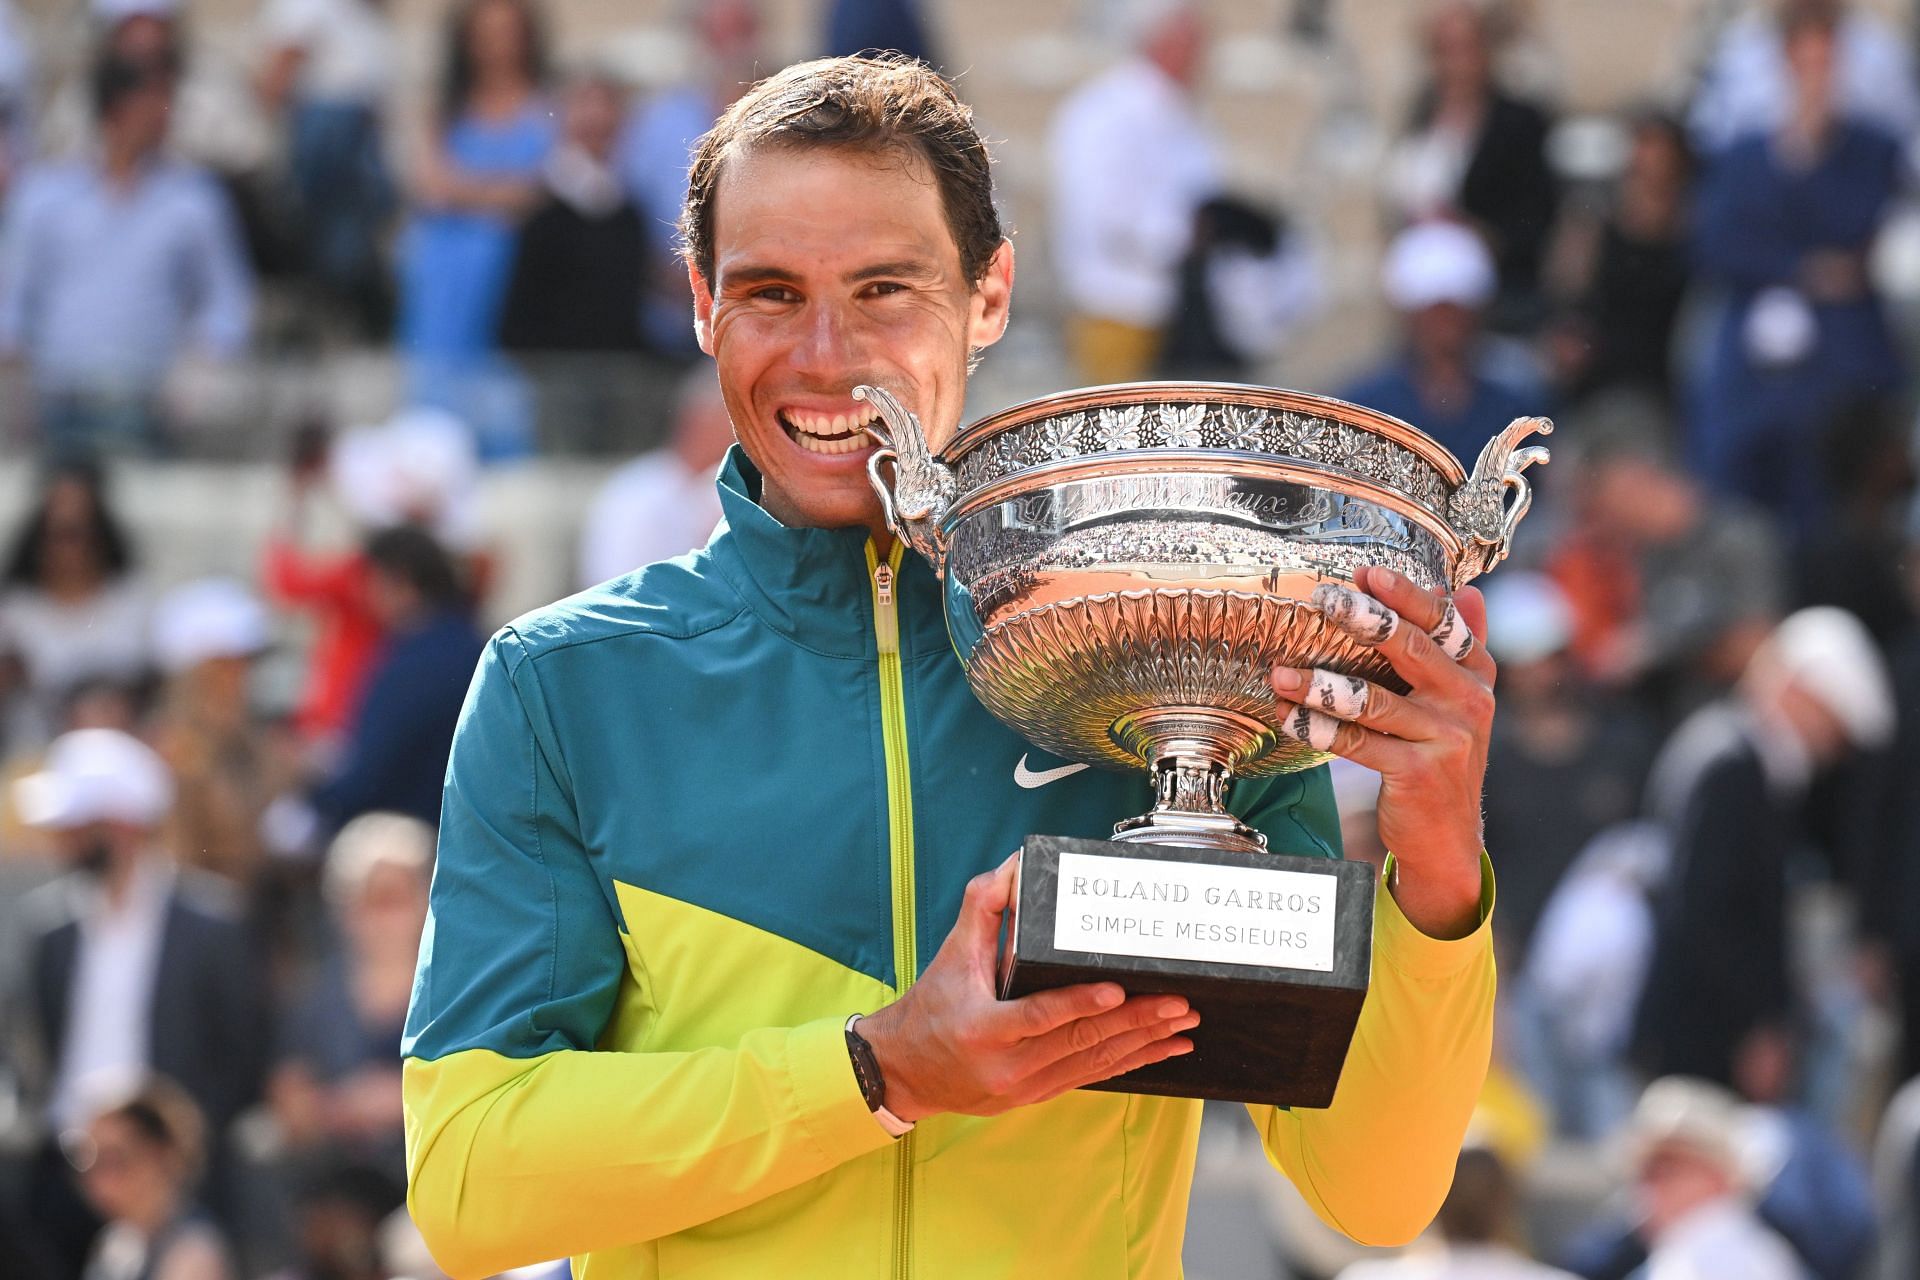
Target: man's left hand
[(1428, 745)]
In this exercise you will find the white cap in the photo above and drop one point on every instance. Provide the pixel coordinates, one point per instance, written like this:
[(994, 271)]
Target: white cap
[(420, 465), (1702, 1117), (1829, 654), (208, 618), (96, 775), (1434, 262), (1528, 617)]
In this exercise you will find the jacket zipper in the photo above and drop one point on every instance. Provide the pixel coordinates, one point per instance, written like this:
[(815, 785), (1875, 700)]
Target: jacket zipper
[(893, 735)]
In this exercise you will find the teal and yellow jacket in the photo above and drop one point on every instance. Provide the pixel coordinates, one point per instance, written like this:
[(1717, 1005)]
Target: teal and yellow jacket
[(697, 816)]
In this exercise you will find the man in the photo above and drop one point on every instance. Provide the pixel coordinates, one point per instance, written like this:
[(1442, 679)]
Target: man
[(1691, 1167), (1132, 160), (138, 968), (113, 266), (698, 817), (1728, 787), (1439, 278)]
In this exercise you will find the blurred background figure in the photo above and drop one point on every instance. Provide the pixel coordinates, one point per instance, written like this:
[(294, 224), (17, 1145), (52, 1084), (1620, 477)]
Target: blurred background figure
[(658, 147), (395, 754), (1132, 161), (1784, 226), (1618, 274), (136, 967), (335, 1087), (1248, 280), (1691, 1181), (329, 67), (1439, 279), (139, 1157), (1727, 787), (1475, 1230), (470, 188), (114, 266), (661, 504), (72, 609), (1747, 85), (861, 26), (1477, 154)]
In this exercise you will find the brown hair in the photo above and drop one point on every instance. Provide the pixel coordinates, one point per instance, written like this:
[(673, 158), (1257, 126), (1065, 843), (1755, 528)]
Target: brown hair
[(870, 103), (164, 1116)]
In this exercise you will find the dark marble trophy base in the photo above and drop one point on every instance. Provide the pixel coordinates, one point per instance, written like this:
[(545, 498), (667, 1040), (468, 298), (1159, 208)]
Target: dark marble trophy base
[(1268, 1033)]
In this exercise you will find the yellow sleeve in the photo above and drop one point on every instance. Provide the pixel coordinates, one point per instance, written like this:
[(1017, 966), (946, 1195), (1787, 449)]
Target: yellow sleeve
[(1377, 1163), (516, 1160)]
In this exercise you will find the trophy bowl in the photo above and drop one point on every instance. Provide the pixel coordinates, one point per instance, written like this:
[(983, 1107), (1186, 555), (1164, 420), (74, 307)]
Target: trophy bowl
[(1124, 566)]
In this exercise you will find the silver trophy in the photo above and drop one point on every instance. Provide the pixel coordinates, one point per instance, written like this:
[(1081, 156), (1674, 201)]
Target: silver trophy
[(1124, 566)]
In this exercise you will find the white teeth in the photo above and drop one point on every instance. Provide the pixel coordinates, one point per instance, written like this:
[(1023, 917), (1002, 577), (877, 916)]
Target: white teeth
[(814, 444), (831, 425)]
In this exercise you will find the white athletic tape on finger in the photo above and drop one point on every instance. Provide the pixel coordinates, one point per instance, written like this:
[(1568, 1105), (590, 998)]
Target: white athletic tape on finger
[(1304, 724), (1452, 634), (1358, 614), (1341, 696)]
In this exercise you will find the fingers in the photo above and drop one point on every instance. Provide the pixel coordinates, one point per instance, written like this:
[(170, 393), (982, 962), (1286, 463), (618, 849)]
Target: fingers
[(1323, 732), (1112, 1057), (1415, 654), (1161, 1014), (987, 898), (1044, 1012), (1325, 698), (1427, 610)]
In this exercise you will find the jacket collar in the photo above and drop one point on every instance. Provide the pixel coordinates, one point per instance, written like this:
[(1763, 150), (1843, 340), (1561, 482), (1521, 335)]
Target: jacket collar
[(812, 586)]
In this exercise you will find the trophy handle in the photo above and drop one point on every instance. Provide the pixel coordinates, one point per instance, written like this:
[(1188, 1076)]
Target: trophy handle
[(923, 488), (1479, 510)]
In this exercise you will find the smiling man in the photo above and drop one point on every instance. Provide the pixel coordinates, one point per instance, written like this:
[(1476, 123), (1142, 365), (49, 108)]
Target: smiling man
[(700, 819)]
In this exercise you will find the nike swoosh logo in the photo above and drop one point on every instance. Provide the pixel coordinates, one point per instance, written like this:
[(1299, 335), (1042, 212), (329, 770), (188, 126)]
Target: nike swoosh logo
[(1031, 778)]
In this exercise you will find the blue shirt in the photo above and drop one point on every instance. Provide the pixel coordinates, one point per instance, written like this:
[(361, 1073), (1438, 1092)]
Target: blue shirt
[(1462, 425), (102, 285)]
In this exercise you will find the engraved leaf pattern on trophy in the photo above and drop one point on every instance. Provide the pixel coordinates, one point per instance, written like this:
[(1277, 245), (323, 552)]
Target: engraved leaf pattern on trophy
[(1184, 425), (1059, 437), (1120, 426), (1246, 429)]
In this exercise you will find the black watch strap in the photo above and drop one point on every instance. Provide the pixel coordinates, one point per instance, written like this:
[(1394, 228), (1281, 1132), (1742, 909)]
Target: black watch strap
[(866, 1068)]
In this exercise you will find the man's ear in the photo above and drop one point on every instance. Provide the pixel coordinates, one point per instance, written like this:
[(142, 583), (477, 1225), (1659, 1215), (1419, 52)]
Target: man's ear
[(702, 308), (992, 300)]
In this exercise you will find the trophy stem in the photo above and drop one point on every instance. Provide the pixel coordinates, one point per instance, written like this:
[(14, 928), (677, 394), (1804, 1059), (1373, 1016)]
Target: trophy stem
[(1191, 751)]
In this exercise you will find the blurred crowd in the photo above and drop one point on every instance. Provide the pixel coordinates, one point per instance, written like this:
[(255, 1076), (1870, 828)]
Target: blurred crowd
[(1703, 799)]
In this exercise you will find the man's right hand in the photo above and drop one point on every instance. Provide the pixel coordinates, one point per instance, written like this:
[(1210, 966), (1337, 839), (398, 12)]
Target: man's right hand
[(949, 1044)]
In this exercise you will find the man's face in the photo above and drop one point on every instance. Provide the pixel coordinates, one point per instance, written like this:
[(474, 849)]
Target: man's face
[(834, 268)]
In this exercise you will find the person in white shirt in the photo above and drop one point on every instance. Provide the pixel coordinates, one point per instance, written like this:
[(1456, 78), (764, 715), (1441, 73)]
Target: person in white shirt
[(663, 503), (1132, 160), (1473, 1226), (1692, 1159)]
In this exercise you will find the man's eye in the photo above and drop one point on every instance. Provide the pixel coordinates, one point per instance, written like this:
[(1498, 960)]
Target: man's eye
[(776, 293), (882, 288)]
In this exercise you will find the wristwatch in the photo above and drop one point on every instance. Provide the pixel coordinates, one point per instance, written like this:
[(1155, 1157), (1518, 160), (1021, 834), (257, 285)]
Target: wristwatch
[(873, 1085)]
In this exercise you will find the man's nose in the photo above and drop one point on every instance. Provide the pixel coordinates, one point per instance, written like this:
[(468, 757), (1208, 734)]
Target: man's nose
[(829, 342)]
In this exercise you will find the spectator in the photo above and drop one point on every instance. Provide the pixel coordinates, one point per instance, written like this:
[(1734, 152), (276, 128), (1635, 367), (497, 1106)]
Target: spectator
[(338, 1212), (1747, 85), (1785, 222), (396, 754), (1690, 1179), (138, 1159), (329, 68), (1445, 379), (576, 279), (1475, 1228), (1247, 281), (1728, 787), (137, 966), (658, 148), (227, 767), (114, 266), (1671, 589), (336, 1089), (1132, 161), (1473, 153), (1563, 765), (870, 26), (470, 190), (663, 503), (1622, 274), (72, 610)]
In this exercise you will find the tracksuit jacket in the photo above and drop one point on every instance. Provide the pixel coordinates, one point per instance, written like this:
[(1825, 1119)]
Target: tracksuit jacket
[(697, 816)]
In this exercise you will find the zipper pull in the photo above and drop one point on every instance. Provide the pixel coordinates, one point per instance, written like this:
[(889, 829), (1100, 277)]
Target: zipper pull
[(883, 582)]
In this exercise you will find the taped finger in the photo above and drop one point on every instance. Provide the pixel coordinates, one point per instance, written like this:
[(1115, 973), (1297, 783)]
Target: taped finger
[(1342, 696), (1451, 634), (1356, 613), (1304, 724)]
